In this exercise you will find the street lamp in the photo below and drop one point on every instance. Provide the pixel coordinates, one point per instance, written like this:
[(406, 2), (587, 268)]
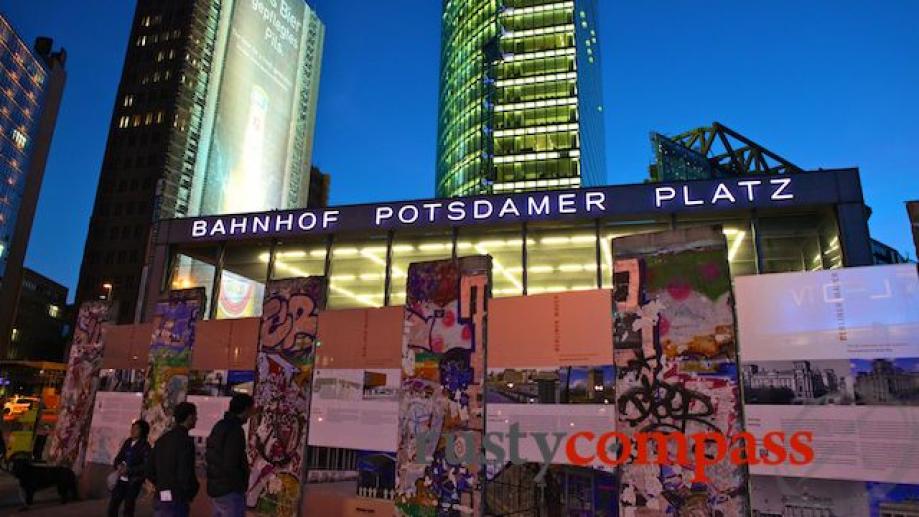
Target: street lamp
[(108, 291)]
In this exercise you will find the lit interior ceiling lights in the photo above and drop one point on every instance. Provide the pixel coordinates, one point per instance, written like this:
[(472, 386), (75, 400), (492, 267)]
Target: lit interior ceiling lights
[(735, 245), (574, 239), (292, 254), (434, 246), (569, 268), (498, 268), (371, 254), (362, 298), (607, 249)]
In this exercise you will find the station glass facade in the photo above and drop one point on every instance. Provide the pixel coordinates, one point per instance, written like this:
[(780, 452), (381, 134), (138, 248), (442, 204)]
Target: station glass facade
[(369, 269)]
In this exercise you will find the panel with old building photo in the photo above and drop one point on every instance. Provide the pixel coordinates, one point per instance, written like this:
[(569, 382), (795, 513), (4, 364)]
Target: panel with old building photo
[(774, 496), (564, 385), (892, 382), (814, 382)]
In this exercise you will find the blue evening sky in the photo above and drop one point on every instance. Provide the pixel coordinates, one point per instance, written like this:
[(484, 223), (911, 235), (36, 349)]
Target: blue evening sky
[(823, 83)]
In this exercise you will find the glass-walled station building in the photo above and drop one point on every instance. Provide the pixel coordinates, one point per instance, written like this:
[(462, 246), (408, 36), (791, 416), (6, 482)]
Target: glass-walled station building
[(541, 242)]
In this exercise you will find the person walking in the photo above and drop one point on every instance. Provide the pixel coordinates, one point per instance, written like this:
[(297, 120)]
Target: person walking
[(171, 468), (130, 463), (227, 466)]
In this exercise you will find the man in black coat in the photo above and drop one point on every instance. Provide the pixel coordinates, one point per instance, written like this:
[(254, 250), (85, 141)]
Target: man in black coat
[(171, 468), (227, 466), (130, 464)]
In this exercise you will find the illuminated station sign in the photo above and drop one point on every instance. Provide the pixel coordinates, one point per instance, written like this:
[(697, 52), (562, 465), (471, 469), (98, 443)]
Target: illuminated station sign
[(588, 203)]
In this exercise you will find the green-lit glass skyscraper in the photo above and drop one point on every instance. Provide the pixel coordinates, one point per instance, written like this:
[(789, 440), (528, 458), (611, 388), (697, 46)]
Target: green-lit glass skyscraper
[(520, 97)]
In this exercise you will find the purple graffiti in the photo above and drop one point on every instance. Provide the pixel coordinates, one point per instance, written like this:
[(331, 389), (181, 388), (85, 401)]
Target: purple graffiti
[(289, 324)]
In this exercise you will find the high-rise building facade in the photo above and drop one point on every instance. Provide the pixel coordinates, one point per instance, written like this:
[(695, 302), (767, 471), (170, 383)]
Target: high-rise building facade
[(31, 85), (520, 97), (42, 324), (214, 114)]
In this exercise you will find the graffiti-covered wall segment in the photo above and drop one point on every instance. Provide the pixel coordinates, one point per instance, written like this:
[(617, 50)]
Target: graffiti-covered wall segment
[(675, 356), (283, 389), (440, 405)]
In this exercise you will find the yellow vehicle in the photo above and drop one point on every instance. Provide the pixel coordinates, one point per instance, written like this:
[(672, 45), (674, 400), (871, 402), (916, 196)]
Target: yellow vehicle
[(18, 405)]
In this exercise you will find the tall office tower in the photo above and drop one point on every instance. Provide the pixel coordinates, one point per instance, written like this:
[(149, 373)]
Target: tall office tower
[(520, 97), (214, 114), (31, 85)]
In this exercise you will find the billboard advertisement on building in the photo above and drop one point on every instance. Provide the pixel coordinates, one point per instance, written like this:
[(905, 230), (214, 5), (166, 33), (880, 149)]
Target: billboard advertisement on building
[(249, 164)]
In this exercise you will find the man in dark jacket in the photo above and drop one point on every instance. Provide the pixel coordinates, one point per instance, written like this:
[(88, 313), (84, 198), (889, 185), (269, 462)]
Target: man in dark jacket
[(130, 463), (172, 465), (227, 466)]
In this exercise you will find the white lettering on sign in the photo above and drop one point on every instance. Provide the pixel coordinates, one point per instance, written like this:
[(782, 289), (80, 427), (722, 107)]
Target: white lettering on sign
[(662, 194), (261, 224), (307, 221), (330, 217), (566, 204), (218, 228), (509, 208), (691, 195), (722, 192), (513, 207), (479, 214), (749, 184), (595, 200), (383, 213), (779, 192), (288, 223), (432, 210), (404, 216), (198, 229), (238, 224), (457, 211), (541, 208), (686, 199)]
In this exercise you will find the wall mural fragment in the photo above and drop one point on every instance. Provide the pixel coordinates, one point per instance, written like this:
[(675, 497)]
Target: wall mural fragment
[(675, 355), (174, 321), (441, 401), (68, 441), (284, 371)]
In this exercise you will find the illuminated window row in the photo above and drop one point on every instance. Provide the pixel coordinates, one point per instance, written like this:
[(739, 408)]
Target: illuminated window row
[(574, 153), (537, 104), (538, 32), (540, 55), (537, 79), (538, 130), (537, 184), (137, 120), (514, 11)]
